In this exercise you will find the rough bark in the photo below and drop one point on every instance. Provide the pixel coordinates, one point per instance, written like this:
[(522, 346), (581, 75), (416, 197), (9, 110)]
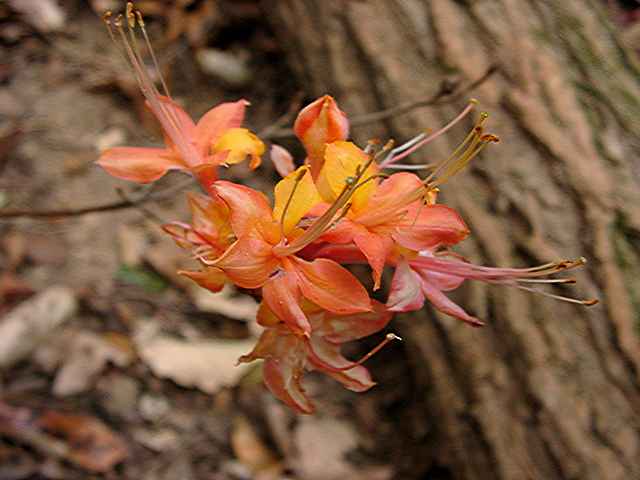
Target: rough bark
[(547, 389)]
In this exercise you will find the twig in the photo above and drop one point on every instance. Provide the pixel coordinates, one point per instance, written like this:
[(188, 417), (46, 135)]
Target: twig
[(106, 207), (278, 125), (447, 93)]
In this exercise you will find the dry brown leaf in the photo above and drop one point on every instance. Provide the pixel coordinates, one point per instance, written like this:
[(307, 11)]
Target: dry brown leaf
[(92, 445), (207, 365), (87, 354), (225, 302)]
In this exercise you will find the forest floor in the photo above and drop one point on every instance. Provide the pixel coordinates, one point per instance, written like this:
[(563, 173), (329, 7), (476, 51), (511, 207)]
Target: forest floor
[(125, 370)]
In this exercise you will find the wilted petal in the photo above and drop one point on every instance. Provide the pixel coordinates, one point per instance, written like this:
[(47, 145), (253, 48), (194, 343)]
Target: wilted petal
[(297, 193), (430, 226), (330, 286), (141, 165), (327, 358), (283, 380), (282, 160), (282, 296), (443, 303), (217, 121), (344, 328), (248, 262), (406, 290)]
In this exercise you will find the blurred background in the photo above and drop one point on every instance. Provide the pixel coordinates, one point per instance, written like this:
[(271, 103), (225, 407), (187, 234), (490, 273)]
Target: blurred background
[(113, 366)]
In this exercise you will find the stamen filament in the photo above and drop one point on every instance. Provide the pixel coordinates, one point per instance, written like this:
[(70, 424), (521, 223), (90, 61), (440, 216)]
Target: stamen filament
[(388, 338), (421, 140)]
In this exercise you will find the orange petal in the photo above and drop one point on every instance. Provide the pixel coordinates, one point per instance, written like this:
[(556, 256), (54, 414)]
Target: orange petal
[(342, 159), (430, 226), (330, 286), (239, 143), (376, 248), (217, 121), (210, 219), (180, 121), (211, 278), (297, 193), (283, 380), (282, 160), (327, 358), (406, 290), (443, 303), (344, 328), (141, 165), (247, 207), (248, 262), (318, 124), (282, 296)]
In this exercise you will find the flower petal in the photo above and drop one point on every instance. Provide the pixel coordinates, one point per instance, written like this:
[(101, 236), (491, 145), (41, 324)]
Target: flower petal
[(329, 285), (249, 262), (216, 121), (327, 358), (283, 380), (240, 143), (141, 165), (406, 290), (376, 248), (342, 159), (282, 296), (297, 193), (430, 226), (345, 328), (443, 303), (211, 278), (282, 160), (247, 207), (319, 123)]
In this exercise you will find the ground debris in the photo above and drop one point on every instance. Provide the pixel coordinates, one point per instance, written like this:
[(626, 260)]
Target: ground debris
[(32, 322), (204, 364)]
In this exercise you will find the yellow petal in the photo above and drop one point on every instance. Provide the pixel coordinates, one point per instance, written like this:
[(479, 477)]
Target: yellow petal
[(240, 143), (297, 194), (341, 160)]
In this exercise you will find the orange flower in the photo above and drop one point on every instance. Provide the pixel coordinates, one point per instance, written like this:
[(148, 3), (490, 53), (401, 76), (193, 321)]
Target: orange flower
[(216, 139), (386, 214), (287, 355), (264, 255)]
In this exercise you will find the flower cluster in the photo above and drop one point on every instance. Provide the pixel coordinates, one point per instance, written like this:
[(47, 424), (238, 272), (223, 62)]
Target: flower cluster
[(343, 205)]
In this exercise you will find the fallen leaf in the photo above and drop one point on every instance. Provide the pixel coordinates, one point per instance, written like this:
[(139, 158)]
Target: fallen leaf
[(86, 355), (331, 440), (207, 365), (92, 445), (226, 302), (32, 322)]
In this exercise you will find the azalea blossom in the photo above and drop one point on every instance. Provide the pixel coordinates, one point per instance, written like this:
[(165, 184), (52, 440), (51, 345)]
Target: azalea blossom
[(199, 148), (286, 355)]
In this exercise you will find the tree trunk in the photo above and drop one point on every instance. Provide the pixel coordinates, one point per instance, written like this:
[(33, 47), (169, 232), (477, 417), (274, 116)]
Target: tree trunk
[(547, 390)]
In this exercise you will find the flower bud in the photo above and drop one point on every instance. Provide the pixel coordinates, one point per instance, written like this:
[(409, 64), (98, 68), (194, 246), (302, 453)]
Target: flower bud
[(318, 124)]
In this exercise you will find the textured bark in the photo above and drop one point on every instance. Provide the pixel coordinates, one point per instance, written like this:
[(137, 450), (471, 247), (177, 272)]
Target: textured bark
[(547, 389)]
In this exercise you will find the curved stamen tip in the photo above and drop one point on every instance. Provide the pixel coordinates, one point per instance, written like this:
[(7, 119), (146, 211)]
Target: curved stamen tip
[(591, 302), (484, 115), (474, 101), (392, 336)]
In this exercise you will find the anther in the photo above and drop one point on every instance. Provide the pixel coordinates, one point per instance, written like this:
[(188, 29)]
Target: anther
[(131, 18)]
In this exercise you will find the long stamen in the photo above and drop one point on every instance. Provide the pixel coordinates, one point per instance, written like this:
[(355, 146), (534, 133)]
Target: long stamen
[(587, 302), (297, 181), (421, 140), (143, 28), (388, 338)]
